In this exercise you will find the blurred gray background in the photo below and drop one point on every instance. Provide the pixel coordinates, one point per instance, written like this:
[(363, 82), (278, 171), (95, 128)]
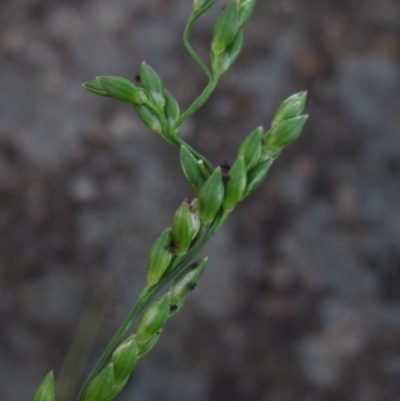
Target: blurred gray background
[(301, 297)]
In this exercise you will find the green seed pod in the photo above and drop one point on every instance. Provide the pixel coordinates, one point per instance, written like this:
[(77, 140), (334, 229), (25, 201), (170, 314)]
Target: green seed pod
[(159, 258), (184, 283), (251, 148), (211, 196), (292, 107), (149, 118), (153, 84), (124, 360), (122, 89), (226, 28), (246, 8), (284, 133), (101, 387), (191, 169), (171, 108), (236, 184), (153, 319), (145, 346), (46, 389), (257, 175), (184, 228), (94, 86), (225, 60)]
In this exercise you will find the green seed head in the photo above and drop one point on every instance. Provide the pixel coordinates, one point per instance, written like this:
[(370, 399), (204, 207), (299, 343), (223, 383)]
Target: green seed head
[(218, 192), (223, 61), (124, 360), (251, 148), (149, 118), (185, 227), (122, 89), (257, 175), (226, 28), (171, 108), (160, 257), (235, 185), (284, 133), (153, 319), (211, 196), (246, 8), (94, 86), (184, 283), (46, 389), (292, 107), (101, 388), (153, 84), (191, 169), (145, 346)]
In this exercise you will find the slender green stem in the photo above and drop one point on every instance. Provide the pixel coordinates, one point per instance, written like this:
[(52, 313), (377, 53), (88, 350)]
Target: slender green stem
[(146, 297), (170, 134), (197, 103), (186, 34), (212, 78), (141, 303)]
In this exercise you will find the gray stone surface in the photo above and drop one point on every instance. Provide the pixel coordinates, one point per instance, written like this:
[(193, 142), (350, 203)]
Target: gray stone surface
[(301, 297)]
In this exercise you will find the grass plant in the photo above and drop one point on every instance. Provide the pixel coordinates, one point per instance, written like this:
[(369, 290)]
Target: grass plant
[(171, 266)]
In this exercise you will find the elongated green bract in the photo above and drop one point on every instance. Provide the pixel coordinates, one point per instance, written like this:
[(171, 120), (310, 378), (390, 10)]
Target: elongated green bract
[(124, 360), (251, 148), (160, 257), (235, 185), (122, 89), (191, 169), (211, 196), (185, 227), (226, 28), (101, 388), (153, 319), (153, 84), (46, 389), (184, 283)]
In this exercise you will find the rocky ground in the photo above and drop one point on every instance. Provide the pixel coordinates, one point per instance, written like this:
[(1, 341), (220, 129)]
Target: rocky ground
[(301, 298)]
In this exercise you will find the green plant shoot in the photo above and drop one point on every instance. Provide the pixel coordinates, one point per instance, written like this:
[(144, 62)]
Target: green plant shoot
[(217, 191)]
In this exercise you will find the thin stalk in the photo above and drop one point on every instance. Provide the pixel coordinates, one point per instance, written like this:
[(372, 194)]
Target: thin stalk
[(146, 297), (197, 103), (186, 34), (212, 78)]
